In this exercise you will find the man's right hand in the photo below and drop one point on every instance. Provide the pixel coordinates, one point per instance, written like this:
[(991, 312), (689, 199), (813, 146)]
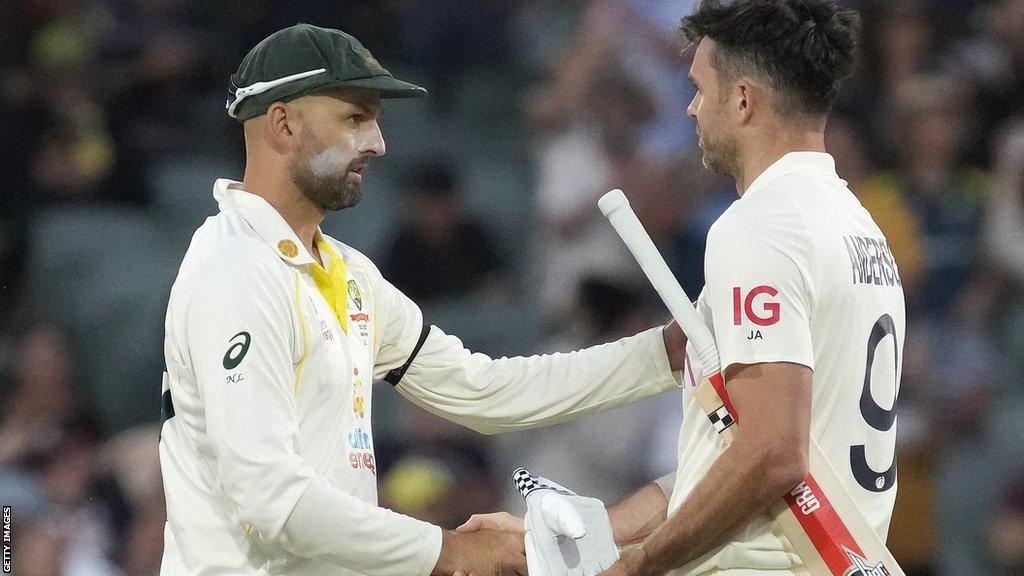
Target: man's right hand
[(484, 552)]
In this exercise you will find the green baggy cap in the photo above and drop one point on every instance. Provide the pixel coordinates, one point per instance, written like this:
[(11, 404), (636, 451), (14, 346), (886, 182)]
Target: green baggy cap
[(304, 59)]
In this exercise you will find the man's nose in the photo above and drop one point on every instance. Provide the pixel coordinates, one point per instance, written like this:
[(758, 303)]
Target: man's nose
[(373, 140)]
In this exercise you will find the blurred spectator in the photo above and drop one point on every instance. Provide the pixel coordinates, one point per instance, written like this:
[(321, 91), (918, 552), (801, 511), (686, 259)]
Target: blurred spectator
[(443, 483), (132, 461), (929, 185), (605, 311), (1006, 535), (899, 45), (703, 197), (1004, 230), (1004, 241), (83, 513), (610, 455), (47, 469), (439, 251), (450, 40), (596, 150), (993, 65), (638, 36), (43, 396), (888, 207), (151, 60)]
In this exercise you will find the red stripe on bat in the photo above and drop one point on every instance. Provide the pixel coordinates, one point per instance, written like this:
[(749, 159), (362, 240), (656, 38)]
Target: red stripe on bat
[(812, 508), (823, 525), (718, 383)]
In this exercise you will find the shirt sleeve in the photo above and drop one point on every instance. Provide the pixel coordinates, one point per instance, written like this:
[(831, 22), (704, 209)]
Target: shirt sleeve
[(758, 290), (667, 483), (504, 394), (240, 341)]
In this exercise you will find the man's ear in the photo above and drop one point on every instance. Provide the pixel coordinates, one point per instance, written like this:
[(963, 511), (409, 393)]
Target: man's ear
[(281, 128), (749, 97)]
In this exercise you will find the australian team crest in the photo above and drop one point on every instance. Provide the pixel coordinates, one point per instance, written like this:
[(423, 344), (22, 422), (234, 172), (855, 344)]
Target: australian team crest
[(355, 295)]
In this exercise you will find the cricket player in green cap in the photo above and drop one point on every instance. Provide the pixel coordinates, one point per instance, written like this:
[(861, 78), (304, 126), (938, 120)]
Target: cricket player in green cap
[(275, 333)]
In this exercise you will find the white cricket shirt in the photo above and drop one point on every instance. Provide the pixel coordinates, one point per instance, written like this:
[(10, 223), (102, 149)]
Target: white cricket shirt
[(267, 400), (797, 271)]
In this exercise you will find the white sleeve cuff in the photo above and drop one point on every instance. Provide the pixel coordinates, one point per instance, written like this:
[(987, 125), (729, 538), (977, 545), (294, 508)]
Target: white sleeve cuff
[(332, 526)]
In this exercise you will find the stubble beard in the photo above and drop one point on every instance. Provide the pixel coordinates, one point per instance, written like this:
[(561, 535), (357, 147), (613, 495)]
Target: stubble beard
[(721, 157), (330, 191)]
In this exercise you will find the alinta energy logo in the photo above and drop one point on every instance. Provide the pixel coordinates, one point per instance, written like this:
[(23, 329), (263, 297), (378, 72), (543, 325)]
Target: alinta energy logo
[(860, 566)]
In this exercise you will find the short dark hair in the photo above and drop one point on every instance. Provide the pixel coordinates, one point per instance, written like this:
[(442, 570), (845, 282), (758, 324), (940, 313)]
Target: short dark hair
[(802, 49)]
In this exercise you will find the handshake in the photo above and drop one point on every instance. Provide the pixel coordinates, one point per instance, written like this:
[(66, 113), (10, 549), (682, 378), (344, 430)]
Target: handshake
[(563, 534)]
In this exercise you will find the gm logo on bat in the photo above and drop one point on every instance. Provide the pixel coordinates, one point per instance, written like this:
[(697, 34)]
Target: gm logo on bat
[(861, 567)]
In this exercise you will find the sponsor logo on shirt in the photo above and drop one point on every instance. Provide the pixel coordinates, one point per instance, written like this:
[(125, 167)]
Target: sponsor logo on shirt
[(359, 439), (756, 306), (361, 459), (358, 405), (237, 350), (355, 295), (325, 332), (871, 261), (360, 318)]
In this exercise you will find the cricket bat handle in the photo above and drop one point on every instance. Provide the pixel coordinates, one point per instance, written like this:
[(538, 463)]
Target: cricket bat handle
[(616, 208)]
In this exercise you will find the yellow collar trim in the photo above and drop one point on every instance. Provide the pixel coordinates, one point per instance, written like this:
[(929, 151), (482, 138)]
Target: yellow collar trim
[(332, 281)]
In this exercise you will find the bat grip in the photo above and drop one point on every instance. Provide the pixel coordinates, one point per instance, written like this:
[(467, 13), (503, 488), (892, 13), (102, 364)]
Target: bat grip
[(616, 208)]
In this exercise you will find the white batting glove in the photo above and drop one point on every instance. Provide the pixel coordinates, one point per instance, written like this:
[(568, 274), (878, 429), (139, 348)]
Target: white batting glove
[(566, 534)]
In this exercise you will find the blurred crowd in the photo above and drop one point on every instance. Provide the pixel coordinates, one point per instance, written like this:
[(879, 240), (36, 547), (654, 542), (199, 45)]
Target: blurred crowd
[(484, 211)]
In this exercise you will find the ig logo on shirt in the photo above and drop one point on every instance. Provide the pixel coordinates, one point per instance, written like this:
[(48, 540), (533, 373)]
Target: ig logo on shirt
[(755, 306)]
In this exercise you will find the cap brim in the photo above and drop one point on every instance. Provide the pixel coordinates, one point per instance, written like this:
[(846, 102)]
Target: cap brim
[(387, 86)]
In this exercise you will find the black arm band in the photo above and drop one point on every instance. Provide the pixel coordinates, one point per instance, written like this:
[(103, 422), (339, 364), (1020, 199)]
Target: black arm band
[(393, 377)]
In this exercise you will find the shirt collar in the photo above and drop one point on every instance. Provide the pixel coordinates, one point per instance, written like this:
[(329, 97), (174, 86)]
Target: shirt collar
[(264, 219), (816, 162)]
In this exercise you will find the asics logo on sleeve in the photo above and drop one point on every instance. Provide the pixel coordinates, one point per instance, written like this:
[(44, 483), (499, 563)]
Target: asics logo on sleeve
[(233, 357)]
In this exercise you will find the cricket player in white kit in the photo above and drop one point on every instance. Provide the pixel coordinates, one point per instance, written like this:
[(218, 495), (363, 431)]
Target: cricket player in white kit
[(802, 295), (276, 332)]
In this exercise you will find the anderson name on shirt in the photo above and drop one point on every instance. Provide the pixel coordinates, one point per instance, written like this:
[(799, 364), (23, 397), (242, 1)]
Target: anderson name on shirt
[(872, 261)]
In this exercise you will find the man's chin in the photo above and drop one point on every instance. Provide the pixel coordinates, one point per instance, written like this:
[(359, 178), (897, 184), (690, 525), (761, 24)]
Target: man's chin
[(709, 162), (349, 198)]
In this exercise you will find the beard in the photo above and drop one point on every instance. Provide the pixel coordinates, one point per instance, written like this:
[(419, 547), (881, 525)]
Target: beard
[(320, 181), (721, 156)]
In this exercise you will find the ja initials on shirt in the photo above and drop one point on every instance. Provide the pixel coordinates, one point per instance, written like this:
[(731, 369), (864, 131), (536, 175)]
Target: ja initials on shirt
[(743, 308)]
